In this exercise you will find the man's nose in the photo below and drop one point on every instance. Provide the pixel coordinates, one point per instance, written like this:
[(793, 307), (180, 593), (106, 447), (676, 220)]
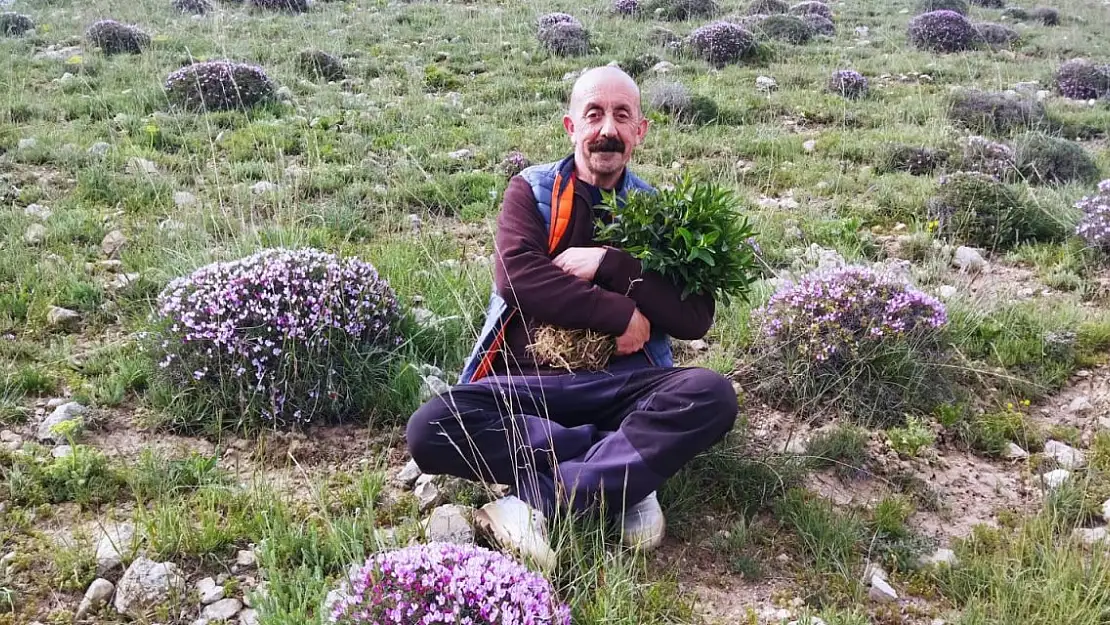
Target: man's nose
[(608, 126)]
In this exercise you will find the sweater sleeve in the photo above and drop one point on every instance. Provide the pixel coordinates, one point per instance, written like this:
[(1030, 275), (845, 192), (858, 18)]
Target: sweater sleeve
[(527, 279), (658, 298)]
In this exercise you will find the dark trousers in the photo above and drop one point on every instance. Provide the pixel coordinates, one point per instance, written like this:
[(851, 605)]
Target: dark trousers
[(572, 441)]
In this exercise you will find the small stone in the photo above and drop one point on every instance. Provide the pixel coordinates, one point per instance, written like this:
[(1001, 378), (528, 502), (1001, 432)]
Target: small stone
[(27, 144), (99, 148), (114, 543), (97, 595), (146, 585), (699, 345), (662, 67), (136, 165), (61, 451), (54, 402), (1080, 405), (450, 523), (209, 591), (57, 317), (872, 571), (881, 592), (284, 93), (969, 260), (1055, 479), (427, 491), (459, 155), (1014, 452), (245, 557), (7, 563), (433, 386), (1106, 511), (810, 620), (184, 198), (35, 234), (1065, 455), (408, 474), (122, 281), (263, 186), (66, 412), (38, 211), (108, 265), (941, 557), (112, 243), (248, 617), (223, 610), (415, 222), (946, 291), (766, 84), (1090, 535), (810, 146)]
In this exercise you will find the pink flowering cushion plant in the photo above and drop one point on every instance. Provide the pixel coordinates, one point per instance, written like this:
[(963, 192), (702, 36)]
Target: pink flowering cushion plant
[(280, 336), (1094, 226), (448, 584)]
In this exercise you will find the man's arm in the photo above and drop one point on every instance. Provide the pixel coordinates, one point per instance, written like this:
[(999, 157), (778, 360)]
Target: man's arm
[(527, 278), (658, 298)]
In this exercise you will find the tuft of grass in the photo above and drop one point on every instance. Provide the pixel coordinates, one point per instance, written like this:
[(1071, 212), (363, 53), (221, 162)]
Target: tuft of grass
[(843, 447), (911, 438)]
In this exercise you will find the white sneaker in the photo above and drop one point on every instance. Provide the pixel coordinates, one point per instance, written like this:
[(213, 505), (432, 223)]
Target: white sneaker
[(518, 527), (644, 525)]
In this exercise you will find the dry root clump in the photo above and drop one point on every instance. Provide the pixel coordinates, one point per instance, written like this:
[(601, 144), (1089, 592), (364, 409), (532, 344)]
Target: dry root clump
[(573, 350)]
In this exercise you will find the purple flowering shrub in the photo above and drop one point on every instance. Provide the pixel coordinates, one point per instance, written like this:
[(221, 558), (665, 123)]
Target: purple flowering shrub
[(218, 86), (819, 24), (767, 7), (912, 159), (514, 163), (989, 157), (812, 7), (996, 35), (282, 336), (721, 43), (1080, 79), (448, 584), (942, 31), (866, 341), (679, 10), (565, 38), (848, 83), (550, 19), (626, 7), (192, 7), (1094, 226), (959, 6), (113, 37)]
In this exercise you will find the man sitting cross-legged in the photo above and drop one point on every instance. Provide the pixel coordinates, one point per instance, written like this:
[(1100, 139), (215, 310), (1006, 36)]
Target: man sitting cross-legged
[(572, 440)]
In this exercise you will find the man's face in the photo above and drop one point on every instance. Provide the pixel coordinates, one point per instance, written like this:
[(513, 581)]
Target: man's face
[(605, 124)]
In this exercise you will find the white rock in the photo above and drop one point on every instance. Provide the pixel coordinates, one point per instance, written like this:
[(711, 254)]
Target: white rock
[(248, 617), (136, 165), (263, 186), (122, 281), (450, 523), (115, 542), (34, 234), (1065, 455), (969, 260), (946, 291), (147, 584), (223, 610), (810, 146), (209, 591), (284, 93), (432, 386), (66, 412), (459, 155), (61, 451), (99, 148), (54, 402), (699, 345), (1080, 405), (38, 211), (810, 620), (1013, 452), (56, 316), (1106, 511), (28, 143), (246, 557), (873, 570), (1055, 479), (881, 592), (766, 84), (408, 474), (427, 491), (97, 595), (184, 198), (1090, 535), (862, 32), (662, 67), (945, 557), (112, 242)]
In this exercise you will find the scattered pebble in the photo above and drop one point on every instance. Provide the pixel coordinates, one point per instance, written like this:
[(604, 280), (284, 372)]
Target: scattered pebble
[(945, 557), (427, 491), (263, 186), (112, 243), (223, 610), (1090, 535), (97, 595), (1014, 452), (136, 165), (662, 67), (113, 543), (38, 211), (946, 291), (1080, 405), (810, 146), (459, 155), (1065, 455), (184, 198), (881, 591), (245, 557), (35, 234), (71, 411), (28, 143), (1055, 479), (58, 317), (99, 148), (969, 260), (146, 585), (766, 84), (407, 476), (450, 523), (248, 617), (210, 592)]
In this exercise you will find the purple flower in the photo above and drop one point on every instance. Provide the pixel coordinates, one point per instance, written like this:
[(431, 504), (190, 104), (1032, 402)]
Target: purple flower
[(722, 43), (1094, 226), (942, 31), (448, 584), (848, 83)]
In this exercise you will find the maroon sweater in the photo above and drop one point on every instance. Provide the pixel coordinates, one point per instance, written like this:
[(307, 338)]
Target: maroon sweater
[(528, 280)]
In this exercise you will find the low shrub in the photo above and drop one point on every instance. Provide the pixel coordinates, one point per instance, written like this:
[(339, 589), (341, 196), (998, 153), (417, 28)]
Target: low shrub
[(848, 83), (812, 7), (319, 65), (1043, 159), (820, 25), (550, 19), (1045, 15), (670, 97), (15, 24), (289, 6), (218, 86), (113, 37), (998, 113), (1094, 226), (867, 343), (636, 65), (565, 38), (989, 4), (281, 337), (914, 160), (942, 31), (418, 584), (768, 7), (514, 163), (788, 28), (928, 6), (626, 7), (192, 7), (996, 35), (1081, 79), (721, 43), (978, 210), (988, 157), (679, 10)]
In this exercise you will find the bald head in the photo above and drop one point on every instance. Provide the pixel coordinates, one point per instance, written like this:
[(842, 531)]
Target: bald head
[(608, 80)]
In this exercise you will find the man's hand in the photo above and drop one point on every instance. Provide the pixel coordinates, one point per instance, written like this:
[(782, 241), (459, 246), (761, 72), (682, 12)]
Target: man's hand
[(581, 262), (634, 337)]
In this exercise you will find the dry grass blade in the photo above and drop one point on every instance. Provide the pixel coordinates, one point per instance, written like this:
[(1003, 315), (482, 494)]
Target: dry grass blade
[(573, 350)]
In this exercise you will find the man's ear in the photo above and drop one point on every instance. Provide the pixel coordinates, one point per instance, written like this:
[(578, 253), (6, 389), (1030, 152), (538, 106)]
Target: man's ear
[(568, 124), (642, 129)]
